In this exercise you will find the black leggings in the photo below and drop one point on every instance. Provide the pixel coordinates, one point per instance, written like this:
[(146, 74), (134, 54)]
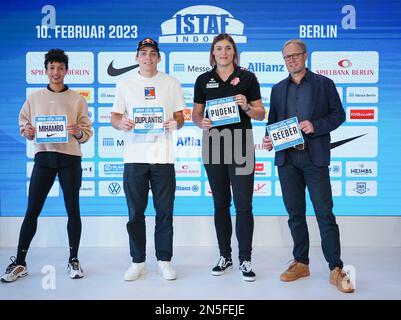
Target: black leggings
[(220, 176), (42, 179)]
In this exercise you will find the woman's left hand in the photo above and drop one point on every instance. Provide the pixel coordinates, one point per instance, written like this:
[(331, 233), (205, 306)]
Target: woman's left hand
[(74, 129), (241, 100)]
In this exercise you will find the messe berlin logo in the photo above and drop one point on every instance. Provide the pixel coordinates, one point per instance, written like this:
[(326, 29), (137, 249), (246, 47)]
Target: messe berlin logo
[(200, 24)]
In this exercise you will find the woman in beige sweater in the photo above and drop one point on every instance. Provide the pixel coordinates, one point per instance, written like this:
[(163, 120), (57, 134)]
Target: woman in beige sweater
[(56, 118)]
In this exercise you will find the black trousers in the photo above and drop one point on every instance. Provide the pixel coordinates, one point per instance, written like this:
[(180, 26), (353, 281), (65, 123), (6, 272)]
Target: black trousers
[(220, 176), (161, 177), (295, 175), (42, 179)]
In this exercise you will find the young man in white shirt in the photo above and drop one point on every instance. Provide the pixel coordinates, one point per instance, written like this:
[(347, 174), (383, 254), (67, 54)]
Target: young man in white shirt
[(148, 108)]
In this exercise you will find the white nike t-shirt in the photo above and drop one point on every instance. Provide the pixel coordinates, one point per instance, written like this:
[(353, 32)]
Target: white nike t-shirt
[(138, 91)]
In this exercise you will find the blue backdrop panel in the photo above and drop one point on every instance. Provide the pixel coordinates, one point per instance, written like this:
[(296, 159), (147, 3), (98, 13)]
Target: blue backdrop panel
[(358, 46)]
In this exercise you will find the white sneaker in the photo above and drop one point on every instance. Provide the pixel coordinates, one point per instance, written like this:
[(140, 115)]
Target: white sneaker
[(14, 271), (167, 270), (135, 271), (74, 269)]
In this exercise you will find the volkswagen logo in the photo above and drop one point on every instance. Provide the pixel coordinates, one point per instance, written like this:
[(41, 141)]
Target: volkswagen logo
[(114, 188)]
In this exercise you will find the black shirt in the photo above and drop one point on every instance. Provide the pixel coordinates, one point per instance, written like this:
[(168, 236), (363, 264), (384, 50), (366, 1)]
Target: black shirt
[(209, 86)]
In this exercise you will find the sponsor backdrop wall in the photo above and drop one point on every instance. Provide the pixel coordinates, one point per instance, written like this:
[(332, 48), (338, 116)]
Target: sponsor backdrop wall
[(358, 45)]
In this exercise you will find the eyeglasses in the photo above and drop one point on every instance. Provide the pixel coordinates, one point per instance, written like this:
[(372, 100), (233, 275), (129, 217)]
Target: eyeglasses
[(293, 56)]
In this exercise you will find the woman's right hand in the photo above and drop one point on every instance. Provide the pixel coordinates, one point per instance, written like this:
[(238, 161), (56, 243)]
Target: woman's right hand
[(29, 131)]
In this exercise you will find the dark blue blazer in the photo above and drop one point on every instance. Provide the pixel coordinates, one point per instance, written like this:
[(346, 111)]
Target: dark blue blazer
[(325, 112)]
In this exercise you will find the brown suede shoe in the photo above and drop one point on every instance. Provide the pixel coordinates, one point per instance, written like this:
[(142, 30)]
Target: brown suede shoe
[(340, 279), (295, 271)]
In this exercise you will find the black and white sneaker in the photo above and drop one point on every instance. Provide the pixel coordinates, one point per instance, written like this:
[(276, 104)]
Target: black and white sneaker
[(222, 265), (74, 269), (246, 271), (14, 271)]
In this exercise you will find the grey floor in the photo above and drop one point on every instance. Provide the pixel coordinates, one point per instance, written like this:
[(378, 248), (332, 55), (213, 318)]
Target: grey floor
[(377, 271)]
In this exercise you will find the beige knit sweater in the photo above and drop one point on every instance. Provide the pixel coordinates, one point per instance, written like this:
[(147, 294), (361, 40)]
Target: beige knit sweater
[(69, 103)]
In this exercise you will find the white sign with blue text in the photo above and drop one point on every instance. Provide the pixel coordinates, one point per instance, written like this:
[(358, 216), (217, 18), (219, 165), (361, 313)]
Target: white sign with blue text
[(285, 134), (51, 129), (222, 111), (148, 120)]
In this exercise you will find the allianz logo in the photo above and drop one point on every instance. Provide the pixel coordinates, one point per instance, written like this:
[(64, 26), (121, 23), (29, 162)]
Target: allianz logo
[(265, 67), (200, 24), (188, 141), (193, 188)]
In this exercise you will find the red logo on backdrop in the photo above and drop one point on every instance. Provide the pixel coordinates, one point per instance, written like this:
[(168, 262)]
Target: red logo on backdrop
[(235, 81), (259, 167), (36, 72), (85, 94), (345, 63), (368, 114), (259, 187)]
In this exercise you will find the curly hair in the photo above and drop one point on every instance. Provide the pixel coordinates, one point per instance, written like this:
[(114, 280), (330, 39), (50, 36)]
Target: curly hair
[(56, 55)]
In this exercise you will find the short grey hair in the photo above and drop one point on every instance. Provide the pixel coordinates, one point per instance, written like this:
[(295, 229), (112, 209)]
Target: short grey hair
[(299, 42)]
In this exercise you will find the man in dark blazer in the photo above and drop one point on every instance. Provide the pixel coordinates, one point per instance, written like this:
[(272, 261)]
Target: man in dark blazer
[(314, 100)]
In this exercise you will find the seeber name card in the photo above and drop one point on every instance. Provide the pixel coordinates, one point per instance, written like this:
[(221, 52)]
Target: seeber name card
[(148, 120), (51, 129), (222, 111), (285, 134)]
